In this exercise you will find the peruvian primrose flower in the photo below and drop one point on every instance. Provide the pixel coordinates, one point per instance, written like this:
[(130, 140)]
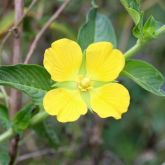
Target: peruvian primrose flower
[(84, 81)]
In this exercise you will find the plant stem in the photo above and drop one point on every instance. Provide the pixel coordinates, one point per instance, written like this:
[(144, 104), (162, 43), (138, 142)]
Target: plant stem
[(9, 133), (36, 119), (160, 30), (139, 44), (132, 51), (93, 2)]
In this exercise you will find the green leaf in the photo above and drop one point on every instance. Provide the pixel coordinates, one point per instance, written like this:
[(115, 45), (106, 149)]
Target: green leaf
[(150, 28), (47, 130), (4, 155), (49, 125), (133, 9), (150, 25), (142, 31), (147, 30), (135, 15), (4, 118), (145, 75), (97, 28), (138, 29), (33, 80), (23, 117)]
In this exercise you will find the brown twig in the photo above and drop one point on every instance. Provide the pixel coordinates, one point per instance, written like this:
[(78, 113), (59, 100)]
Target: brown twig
[(35, 154), (11, 30), (15, 96), (13, 149), (45, 27), (17, 52)]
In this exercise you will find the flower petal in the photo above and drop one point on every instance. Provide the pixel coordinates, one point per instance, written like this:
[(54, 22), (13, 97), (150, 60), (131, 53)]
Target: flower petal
[(110, 100), (66, 104), (103, 62), (63, 60)]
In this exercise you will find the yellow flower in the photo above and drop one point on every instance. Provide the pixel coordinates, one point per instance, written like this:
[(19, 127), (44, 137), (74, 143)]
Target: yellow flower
[(84, 81)]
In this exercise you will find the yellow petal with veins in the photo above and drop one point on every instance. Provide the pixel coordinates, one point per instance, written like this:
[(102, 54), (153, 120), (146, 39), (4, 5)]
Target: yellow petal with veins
[(110, 100), (103, 62), (67, 105), (63, 60)]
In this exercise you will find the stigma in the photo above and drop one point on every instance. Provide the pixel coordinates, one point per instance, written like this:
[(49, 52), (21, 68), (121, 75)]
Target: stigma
[(84, 83)]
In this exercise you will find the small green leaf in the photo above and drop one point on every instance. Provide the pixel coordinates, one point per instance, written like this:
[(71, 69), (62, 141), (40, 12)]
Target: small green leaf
[(135, 15), (23, 117), (133, 9), (97, 28), (150, 28), (150, 25), (142, 31), (33, 80), (4, 118), (138, 29), (145, 75)]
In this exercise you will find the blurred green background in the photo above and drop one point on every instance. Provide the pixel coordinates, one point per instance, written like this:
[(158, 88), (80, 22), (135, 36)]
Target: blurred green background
[(138, 138)]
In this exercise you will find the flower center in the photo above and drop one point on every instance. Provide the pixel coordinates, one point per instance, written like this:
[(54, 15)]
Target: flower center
[(84, 83)]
